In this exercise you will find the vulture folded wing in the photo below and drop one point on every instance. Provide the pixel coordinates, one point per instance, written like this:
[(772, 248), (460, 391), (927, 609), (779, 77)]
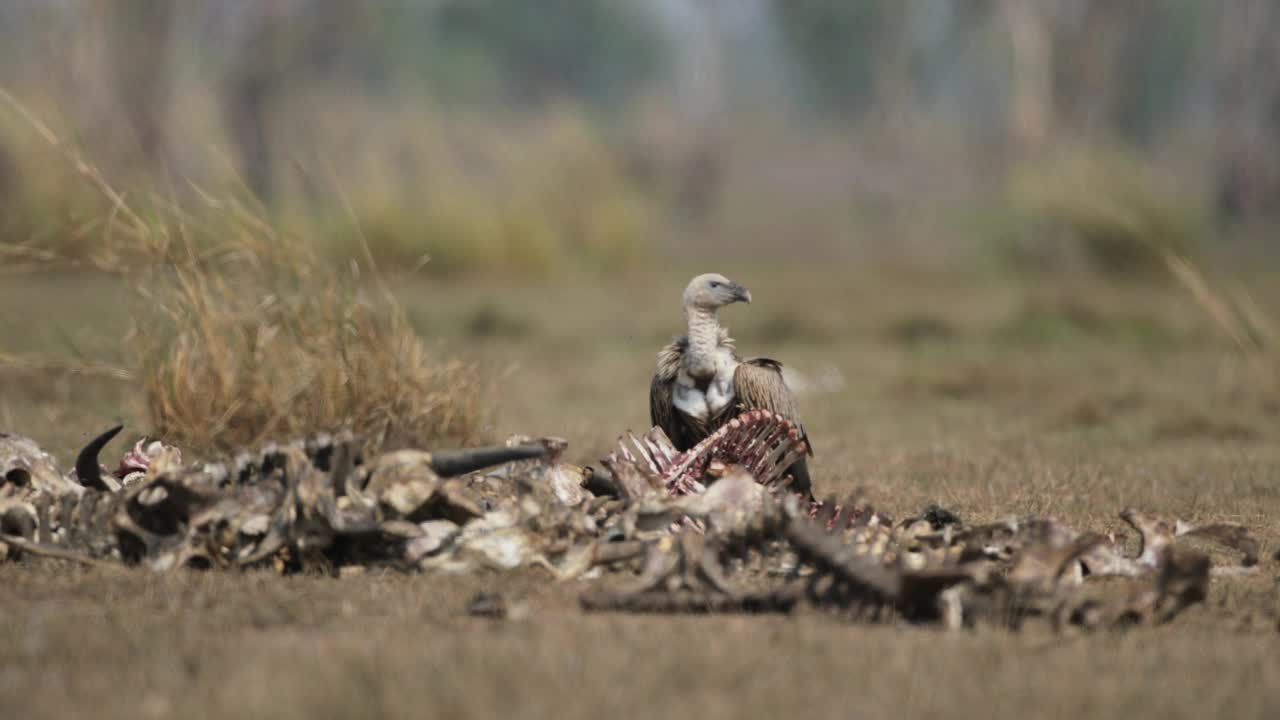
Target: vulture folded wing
[(662, 406), (758, 383), (662, 409)]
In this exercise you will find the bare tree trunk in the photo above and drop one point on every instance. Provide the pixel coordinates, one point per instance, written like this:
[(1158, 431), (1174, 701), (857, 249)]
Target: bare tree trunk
[(701, 175), (894, 87), (114, 71), (254, 80), (1247, 98), (1087, 74), (1031, 92), (284, 44), (139, 38), (1094, 40)]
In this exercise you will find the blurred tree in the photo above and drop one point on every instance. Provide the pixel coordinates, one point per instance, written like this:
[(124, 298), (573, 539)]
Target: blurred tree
[(1083, 67), (279, 46), (598, 50), (1247, 96), (1087, 36), (1031, 93), (252, 82), (111, 61), (138, 38), (838, 43), (894, 79), (1163, 67), (1024, 73), (700, 177)]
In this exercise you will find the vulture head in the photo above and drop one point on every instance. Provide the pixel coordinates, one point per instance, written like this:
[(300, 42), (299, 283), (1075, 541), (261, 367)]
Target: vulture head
[(713, 291)]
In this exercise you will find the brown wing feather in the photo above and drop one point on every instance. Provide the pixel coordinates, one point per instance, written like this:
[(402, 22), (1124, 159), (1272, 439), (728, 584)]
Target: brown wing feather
[(662, 409), (758, 383)]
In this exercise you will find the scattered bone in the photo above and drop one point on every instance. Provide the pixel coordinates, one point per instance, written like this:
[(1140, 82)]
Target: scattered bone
[(25, 469), (704, 530), (436, 534)]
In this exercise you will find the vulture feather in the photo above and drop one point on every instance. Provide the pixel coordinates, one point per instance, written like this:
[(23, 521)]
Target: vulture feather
[(701, 383)]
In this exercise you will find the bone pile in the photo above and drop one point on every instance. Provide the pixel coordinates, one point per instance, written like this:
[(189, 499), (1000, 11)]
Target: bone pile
[(713, 529)]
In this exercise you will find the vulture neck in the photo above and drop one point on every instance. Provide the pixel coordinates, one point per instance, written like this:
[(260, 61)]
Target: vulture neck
[(704, 341)]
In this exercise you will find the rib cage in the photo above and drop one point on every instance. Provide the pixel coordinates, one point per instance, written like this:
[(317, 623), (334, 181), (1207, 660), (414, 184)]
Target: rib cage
[(762, 442)]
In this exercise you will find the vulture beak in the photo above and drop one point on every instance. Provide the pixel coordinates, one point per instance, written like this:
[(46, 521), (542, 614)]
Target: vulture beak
[(741, 294)]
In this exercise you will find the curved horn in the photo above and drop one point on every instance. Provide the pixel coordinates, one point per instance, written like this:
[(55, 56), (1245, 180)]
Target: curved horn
[(87, 470), (451, 463), (601, 483)]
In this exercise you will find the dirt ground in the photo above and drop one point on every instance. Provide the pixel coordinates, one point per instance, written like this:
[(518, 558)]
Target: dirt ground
[(992, 398)]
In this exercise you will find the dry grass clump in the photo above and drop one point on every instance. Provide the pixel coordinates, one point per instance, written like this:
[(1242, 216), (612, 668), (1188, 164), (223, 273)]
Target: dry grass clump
[(243, 332), (1101, 209), (1255, 334), (264, 339)]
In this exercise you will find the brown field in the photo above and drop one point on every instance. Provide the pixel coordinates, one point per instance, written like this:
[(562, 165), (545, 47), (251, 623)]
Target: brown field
[(988, 396)]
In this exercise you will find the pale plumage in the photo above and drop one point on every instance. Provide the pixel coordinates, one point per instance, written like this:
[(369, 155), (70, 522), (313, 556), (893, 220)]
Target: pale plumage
[(701, 383)]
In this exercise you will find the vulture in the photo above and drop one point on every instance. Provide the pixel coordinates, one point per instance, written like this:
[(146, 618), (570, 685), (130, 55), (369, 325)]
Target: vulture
[(701, 383)]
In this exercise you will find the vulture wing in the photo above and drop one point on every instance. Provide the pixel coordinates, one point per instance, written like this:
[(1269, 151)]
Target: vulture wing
[(662, 408), (758, 383)]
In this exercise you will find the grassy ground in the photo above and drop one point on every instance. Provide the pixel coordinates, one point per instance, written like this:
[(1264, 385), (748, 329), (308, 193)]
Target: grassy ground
[(991, 398)]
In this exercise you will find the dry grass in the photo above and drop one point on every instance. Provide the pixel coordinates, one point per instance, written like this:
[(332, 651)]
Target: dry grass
[(1235, 312), (1179, 432), (532, 194), (242, 331), (267, 339), (387, 646), (1101, 208)]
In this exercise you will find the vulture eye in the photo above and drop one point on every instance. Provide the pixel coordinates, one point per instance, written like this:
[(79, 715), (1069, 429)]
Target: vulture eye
[(715, 284)]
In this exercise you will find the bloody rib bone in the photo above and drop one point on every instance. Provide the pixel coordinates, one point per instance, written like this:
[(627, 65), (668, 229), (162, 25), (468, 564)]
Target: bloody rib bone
[(763, 442)]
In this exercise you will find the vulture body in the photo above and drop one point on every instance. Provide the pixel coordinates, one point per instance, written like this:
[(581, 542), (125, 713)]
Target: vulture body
[(701, 382)]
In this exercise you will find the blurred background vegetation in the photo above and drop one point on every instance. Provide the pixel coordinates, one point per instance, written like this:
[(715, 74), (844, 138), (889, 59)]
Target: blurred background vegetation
[(507, 136)]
